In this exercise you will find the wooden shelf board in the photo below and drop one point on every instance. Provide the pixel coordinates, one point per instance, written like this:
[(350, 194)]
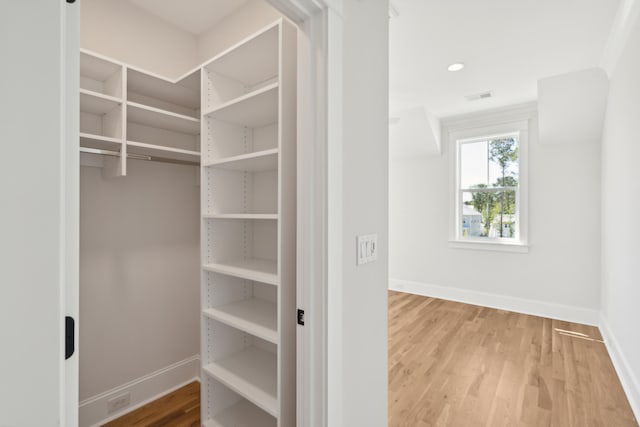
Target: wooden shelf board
[(135, 147), (252, 162), (242, 413), (96, 102), (162, 119), (253, 316), (260, 270), (252, 373), (165, 90), (256, 109), (241, 216), (100, 142), (252, 60)]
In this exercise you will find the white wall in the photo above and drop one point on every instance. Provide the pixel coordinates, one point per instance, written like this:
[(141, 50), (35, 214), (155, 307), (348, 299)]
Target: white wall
[(119, 29), (358, 184), (620, 207), (252, 16), (139, 273), (562, 266)]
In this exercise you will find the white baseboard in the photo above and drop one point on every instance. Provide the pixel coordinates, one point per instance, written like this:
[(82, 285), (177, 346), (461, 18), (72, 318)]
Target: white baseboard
[(93, 411), (629, 381), (520, 305)]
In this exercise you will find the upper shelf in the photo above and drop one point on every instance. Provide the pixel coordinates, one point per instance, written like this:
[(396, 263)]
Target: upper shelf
[(239, 61), (100, 75), (256, 109), (97, 103), (163, 119), (185, 93)]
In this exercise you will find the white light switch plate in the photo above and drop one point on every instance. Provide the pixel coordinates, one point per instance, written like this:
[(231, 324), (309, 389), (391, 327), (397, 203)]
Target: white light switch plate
[(366, 248)]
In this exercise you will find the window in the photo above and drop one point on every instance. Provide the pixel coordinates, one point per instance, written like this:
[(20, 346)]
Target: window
[(490, 188)]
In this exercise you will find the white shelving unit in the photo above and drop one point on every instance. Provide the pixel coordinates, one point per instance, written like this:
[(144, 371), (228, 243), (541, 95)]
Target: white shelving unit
[(236, 116), (131, 111), (248, 235)]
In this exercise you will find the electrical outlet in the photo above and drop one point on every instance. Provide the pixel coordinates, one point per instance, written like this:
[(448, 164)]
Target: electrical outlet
[(116, 403), (366, 248)]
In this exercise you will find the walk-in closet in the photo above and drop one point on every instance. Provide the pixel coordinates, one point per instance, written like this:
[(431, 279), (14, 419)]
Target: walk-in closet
[(188, 209)]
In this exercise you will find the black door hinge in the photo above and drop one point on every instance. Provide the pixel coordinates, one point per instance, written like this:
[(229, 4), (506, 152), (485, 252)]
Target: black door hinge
[(300, 317), (69, 337), (71, 1)]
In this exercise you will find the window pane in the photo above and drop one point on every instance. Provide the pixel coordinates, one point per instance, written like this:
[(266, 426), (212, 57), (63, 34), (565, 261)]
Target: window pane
[(504, 222), (473, 164), (503, 162), (490, 214)]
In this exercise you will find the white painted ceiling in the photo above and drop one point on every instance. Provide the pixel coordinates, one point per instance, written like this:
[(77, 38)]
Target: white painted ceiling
[(193, 16), (506, 45)]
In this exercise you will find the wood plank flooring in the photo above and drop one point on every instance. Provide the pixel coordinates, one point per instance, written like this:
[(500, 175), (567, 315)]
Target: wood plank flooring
[(453, 364), (178, 409), (460, 365)]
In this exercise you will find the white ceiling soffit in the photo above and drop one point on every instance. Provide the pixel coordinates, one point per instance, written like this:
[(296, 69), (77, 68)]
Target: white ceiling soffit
[(506, 46), (414, 132), (193, 16)]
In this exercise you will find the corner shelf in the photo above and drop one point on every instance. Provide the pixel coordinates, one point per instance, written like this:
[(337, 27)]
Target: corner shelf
[(178, 93), (162, 119), (252, 374), (242, 413), (255, 109), (253, 162), (253, 316), (260, 270)]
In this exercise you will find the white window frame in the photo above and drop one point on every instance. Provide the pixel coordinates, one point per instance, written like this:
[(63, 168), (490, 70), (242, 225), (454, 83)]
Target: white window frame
[(457, 138)]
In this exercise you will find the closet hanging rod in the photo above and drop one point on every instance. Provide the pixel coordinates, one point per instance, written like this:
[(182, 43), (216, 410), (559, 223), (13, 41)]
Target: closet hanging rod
[(137, 156)]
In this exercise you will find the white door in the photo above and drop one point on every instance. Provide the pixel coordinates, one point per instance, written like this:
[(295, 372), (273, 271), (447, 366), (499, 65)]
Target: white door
[(38, 211)]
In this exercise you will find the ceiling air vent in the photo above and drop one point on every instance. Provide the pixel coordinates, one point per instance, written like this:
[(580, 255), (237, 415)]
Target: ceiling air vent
[(478, 96)]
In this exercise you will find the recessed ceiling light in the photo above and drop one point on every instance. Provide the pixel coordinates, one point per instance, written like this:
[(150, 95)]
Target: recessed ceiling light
[(456, 67)]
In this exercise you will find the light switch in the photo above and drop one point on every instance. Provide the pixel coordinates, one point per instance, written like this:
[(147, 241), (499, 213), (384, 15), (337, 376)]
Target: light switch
[(366, 248)]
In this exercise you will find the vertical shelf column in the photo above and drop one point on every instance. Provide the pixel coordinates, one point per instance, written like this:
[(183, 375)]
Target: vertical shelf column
[(249, 231), (103, 109)]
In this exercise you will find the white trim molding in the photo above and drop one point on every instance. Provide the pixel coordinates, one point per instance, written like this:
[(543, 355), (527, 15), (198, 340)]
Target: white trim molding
[(93, 411), (513, 247), (587, 316), (630, 383), (477, 127)]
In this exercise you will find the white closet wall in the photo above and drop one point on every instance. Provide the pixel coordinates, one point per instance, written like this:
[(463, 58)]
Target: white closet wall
[(253, 15), (120, 30), (139, 275)]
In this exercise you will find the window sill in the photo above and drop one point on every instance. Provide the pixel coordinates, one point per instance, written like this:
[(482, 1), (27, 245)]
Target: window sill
[(513, 247)]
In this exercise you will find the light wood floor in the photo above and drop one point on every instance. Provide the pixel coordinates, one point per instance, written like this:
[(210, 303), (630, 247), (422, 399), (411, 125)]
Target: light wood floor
[(453, 364), (178, 409), (460, 365)]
